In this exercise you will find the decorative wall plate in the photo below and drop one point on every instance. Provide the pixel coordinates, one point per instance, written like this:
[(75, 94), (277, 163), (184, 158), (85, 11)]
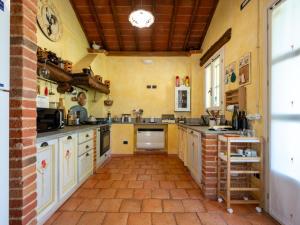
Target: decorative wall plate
[(49, 20)]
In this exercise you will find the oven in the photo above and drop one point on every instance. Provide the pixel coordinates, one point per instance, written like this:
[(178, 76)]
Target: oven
[(103, 144)]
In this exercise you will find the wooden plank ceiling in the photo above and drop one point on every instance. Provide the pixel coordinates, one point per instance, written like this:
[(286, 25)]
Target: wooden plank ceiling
[(180, 25)]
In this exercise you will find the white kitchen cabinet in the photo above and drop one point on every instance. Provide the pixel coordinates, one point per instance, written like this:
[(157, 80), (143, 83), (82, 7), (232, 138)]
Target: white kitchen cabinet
[(67, 164), (182, 145), (47, 177), (182, 99), (85, 165), (85, 136), (194, 155)]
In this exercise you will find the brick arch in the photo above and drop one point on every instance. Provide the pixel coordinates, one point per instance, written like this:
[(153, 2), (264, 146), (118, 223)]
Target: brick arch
[(22, 152)]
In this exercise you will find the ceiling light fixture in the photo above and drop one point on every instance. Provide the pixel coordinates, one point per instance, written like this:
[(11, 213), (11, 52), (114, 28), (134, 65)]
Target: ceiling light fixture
[(141, 18)]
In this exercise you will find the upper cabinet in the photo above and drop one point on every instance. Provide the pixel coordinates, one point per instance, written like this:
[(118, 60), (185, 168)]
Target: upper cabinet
[(182, 99)]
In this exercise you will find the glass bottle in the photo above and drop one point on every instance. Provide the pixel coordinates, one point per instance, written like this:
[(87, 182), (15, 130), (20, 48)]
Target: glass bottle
[(235, 119)]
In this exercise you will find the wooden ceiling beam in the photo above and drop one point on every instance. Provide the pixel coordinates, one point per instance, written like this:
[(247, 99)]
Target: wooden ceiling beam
[(208, 23), (153, 25), (136, 38), (98, 23), (116, 23), (149, 53), (172, 24), (191, 22)]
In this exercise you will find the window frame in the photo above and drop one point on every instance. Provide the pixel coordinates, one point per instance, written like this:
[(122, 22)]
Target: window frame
[(219, 53)]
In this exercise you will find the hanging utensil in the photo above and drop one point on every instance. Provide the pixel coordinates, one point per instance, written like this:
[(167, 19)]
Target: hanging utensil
[(46, 91), (51, 90), (95, 93)]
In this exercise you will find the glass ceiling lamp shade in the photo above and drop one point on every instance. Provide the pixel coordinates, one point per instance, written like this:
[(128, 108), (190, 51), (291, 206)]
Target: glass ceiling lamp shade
[(141, 18)]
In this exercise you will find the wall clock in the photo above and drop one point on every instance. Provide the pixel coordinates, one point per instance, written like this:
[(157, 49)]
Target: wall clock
[(48, 20)]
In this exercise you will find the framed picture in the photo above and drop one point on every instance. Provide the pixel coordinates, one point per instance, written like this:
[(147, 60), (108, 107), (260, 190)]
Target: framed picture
[(244, 70), (230, 73)]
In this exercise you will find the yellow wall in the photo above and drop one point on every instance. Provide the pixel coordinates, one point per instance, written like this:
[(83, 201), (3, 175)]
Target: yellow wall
[(73, 46), (172, 139), (129, 77), (248, 35), (73, 43), (120, 133)]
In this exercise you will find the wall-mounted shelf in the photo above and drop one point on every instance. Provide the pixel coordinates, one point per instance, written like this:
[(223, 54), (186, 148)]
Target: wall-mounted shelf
[(56, 73), (236, 97), (61, 76), (88, 81)]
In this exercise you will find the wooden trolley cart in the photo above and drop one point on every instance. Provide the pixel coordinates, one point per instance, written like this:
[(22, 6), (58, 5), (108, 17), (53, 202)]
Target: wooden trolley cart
[(240, 177)]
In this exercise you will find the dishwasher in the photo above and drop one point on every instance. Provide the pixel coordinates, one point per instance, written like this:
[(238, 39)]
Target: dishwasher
[(150, 138)]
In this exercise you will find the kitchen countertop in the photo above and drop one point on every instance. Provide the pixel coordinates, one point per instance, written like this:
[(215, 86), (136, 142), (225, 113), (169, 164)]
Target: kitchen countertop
[(46, 136), (205, 129)]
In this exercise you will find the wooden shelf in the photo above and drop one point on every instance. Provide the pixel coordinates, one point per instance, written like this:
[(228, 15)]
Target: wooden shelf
[(88, 81), (61, 76), (240, 159), (95, 51), (236, 97), (56, 73)]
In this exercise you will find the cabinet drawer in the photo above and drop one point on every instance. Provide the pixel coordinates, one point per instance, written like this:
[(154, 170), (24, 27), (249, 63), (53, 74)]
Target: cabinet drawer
[(85, 136), (85, 165), (84, 147)]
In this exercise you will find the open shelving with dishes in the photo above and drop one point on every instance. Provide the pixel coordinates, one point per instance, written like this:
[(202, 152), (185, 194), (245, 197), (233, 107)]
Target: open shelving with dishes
[(59, 75), (240, 177)]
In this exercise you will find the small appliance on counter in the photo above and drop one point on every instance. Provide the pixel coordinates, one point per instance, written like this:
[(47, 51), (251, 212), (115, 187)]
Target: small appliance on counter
[(49, 119), (168, 118), (126, 118)]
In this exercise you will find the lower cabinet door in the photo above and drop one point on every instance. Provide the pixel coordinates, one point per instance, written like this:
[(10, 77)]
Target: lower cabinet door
[(67, 164), (47, 177), (85, 165)]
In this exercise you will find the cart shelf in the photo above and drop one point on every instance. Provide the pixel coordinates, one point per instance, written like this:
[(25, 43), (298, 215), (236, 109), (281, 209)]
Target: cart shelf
[(240, 177)]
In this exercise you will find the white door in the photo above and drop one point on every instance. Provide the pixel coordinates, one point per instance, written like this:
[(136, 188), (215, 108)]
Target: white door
[(68, 164), (47, 177), (284, 118), (4, 169)]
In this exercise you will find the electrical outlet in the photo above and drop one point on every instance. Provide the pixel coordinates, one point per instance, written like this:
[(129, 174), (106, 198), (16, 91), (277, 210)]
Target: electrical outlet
[(125, 142), (154, 86), (148, 86)]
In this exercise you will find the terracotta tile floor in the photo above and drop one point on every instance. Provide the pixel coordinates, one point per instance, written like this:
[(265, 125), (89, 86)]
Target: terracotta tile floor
[(148, 190)]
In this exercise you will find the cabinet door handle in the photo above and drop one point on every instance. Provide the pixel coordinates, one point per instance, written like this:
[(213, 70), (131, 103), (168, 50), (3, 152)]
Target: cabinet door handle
[(44, 144), (87, 154), (87, 146), (69, 138), (87, 135), (192, 132)]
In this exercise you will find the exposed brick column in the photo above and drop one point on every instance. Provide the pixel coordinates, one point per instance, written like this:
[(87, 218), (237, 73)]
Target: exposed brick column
[(23, 112)]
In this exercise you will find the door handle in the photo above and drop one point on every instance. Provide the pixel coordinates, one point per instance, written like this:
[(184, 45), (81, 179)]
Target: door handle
[(87, 135), (87, 154), (69, 138), (87, 146), (44, 144)]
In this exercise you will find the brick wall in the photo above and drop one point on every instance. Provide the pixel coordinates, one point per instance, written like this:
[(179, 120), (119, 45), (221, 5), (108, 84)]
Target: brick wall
[(23, 112)]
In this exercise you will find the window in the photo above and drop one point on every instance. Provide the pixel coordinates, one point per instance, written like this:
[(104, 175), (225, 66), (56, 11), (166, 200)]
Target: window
[(213, 81)]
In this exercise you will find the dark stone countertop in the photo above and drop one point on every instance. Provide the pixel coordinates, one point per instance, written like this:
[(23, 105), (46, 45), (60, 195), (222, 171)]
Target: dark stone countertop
[(46, 136)]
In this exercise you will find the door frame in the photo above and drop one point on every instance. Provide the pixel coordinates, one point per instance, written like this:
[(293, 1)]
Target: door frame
[(266, 97)]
